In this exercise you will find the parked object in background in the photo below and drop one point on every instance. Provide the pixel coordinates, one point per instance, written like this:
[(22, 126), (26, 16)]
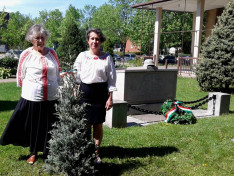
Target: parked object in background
[(13, 53), (3, 48), (117, 57), (160, 60), (128, 57), (170, 59)]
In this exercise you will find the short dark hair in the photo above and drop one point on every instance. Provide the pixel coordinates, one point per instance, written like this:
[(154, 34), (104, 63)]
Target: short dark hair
[(98, 32)]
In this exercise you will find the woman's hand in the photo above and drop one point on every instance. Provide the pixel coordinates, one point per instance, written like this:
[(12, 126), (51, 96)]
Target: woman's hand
[(109, 102)]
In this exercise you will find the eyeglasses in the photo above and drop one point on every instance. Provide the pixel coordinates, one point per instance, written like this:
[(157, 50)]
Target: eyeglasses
[(39, 38)]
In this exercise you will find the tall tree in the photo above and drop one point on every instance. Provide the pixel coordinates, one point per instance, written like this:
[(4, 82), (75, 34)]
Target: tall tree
[(87, 14), (3, 23), (142, 30), (71, 44), (215, 71), (108, 47), (173, 26), (72, 40), (14, 34), (114, 20), (52, 21), (72, 15), (3, 20)]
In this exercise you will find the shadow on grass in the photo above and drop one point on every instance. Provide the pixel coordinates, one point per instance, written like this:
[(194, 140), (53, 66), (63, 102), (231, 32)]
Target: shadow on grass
[(120, 152), (112, 169), (127, 153), (7, 105)]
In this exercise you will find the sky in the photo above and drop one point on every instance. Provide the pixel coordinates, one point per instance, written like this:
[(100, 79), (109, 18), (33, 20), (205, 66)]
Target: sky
[(33, 7)]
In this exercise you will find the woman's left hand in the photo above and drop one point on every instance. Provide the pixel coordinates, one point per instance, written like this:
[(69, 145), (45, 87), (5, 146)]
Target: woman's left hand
[(109, 104)]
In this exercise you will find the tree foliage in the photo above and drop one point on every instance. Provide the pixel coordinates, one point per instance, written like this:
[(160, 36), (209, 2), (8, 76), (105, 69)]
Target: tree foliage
[(71, 44), (215, 71), (86, 16), (108, 46), (16, 28), (142, 30), (72, 40), (72, 152), (172, 23), (114, 19), (52, 21)]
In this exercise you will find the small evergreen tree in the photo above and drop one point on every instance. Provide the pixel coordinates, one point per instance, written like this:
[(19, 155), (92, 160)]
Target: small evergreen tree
[(215, 72), (71, 44), (71, 150)]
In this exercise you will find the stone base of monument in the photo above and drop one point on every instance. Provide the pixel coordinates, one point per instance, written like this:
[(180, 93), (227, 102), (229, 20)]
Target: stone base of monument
[(220, 105), (154, 107), (144, 88), (116, 117)]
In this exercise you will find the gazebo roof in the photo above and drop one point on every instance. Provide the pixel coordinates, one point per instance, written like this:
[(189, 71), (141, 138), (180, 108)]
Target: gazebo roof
[(180, 5)]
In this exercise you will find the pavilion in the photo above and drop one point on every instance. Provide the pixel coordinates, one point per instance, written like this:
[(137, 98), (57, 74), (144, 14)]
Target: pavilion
[(214, 8)]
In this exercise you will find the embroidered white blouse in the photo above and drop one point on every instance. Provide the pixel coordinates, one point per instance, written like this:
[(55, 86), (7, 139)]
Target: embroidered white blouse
[(93, 69), (38, 75)]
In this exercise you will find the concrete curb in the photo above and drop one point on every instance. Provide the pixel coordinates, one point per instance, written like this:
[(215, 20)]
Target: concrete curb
[(8, 80)]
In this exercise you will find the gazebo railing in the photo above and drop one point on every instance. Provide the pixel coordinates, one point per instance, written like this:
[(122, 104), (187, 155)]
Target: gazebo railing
[(186, 65)]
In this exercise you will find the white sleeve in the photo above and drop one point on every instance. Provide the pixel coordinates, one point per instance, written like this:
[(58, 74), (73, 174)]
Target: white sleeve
[(21, 70), (77, 67), (111, 75)]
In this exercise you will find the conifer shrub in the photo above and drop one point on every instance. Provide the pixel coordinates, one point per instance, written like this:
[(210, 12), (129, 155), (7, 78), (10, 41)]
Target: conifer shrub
[(71, 151), (215, 71), (71, 44)]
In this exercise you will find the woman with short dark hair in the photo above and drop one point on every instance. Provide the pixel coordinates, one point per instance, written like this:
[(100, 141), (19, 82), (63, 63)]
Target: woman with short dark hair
[(38, 75), (97, 77)]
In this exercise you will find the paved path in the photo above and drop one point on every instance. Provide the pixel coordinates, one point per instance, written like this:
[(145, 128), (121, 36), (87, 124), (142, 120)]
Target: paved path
[(147, 119), (7, 80)]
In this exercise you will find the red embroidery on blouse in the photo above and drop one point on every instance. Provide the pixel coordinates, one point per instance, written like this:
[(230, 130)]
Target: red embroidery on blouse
[(56, 57), (20, 68), (44, 78)]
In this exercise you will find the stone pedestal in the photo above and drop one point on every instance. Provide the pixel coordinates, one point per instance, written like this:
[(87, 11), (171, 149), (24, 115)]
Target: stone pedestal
[(144, 86), (220, 105), (116, 117)]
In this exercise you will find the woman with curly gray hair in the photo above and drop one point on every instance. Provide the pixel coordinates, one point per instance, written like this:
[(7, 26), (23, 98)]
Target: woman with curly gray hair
[(38, 75)]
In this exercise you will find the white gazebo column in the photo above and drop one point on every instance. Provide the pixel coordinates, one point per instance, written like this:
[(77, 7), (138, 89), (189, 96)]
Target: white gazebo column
[(198, 27), (158, 23), (193, 33)]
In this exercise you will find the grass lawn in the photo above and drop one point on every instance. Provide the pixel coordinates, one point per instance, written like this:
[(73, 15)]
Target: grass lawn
[(205, 148)]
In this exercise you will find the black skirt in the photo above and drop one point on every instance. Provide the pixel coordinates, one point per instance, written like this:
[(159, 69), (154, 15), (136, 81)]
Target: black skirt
[(95, 95), (30, 124)]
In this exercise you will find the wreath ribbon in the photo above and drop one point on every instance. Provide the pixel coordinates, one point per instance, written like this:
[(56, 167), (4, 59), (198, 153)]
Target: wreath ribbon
[(174, 109)]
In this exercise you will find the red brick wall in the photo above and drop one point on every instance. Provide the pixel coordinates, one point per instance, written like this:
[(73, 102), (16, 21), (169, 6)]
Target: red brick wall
[(131, 48)]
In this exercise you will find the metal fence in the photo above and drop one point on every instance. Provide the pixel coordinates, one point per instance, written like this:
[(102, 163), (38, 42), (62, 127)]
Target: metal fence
[(187, 65)]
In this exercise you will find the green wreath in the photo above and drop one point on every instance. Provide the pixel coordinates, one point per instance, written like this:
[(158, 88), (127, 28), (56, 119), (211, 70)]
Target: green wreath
[(176, 113)]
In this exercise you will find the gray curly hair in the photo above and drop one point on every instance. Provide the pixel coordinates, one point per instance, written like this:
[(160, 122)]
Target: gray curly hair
[(35, 30)]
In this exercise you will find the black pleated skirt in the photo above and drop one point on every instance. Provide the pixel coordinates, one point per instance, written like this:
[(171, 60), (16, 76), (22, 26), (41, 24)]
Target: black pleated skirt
[(95, 95), (30, 124)]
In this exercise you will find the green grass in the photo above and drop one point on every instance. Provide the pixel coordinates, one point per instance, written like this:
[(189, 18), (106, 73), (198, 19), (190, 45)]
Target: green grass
[(204, 148)]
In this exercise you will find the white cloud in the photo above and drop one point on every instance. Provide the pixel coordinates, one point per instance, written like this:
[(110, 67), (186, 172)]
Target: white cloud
[(11, 3)]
